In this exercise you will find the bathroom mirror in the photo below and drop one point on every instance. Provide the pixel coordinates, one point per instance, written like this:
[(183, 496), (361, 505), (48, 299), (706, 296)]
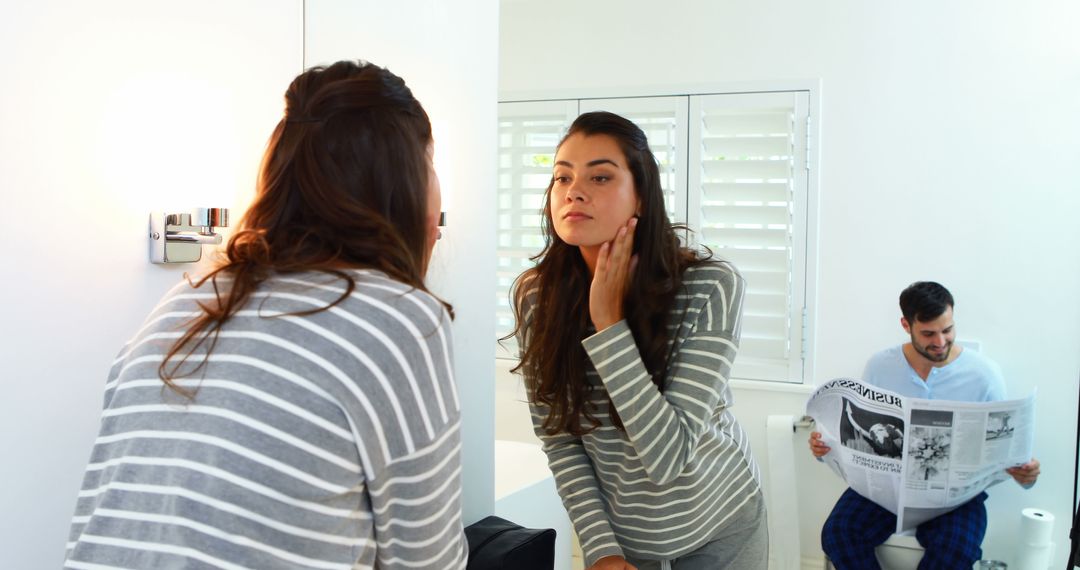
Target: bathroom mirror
[(938, 150)]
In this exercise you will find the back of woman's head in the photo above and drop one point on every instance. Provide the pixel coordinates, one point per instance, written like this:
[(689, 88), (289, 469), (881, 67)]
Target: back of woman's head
[(344, 180), (344, 184)]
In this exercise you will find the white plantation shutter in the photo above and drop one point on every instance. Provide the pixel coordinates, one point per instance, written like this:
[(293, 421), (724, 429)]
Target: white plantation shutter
[(663, 120), (528, 133), (747, 201)]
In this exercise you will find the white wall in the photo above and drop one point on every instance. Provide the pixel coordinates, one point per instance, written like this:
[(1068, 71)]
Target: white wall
[(448, 57), (111, 109), (948, 152)]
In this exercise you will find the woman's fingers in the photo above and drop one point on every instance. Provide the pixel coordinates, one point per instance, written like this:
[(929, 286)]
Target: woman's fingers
[(626, 244), (602, 262), (622, 248), (611, 277), (613, 261), (618, 260)]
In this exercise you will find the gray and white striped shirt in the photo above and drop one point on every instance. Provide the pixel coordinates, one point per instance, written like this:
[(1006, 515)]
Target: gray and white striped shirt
[(327, 440), (683, 467)]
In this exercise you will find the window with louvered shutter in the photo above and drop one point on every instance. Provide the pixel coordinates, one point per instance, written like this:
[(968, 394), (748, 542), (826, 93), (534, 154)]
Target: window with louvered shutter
[(747, 202), (528, 133)]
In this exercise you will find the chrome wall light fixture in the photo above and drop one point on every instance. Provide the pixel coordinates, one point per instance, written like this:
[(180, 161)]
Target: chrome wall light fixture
[(178, 238)]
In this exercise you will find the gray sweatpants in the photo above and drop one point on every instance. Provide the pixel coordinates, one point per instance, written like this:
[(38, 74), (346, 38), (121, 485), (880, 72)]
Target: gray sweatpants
[(743, 544)]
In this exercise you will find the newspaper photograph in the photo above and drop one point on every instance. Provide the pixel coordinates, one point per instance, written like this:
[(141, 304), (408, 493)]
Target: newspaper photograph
[(919, 458)]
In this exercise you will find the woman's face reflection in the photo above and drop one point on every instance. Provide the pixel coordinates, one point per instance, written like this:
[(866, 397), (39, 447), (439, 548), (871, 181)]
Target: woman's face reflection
[(592, 190)]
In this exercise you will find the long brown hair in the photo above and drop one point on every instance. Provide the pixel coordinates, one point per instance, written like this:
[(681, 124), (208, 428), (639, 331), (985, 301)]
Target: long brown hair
[(343, 184), (552, 358)]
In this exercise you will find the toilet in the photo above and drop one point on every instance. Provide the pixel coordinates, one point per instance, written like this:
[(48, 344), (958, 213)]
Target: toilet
[(900, 552)]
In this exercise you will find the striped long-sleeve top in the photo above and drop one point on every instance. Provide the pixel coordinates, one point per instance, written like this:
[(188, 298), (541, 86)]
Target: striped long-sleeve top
[(682, 468), (323, 440)]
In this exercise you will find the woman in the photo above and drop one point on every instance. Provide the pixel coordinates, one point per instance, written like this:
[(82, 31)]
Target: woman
[(627, 342), (295, 407)]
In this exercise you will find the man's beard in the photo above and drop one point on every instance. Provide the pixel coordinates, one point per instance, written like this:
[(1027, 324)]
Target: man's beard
[(930, 355)]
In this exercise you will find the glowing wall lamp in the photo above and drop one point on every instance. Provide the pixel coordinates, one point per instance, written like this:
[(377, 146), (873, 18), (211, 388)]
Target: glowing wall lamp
[(178, 238)]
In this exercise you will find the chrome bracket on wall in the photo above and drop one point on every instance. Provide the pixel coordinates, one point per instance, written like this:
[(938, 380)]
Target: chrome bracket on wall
[(178, 238)]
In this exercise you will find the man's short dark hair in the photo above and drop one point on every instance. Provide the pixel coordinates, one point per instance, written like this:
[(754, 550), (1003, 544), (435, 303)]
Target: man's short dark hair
[(924, 301)]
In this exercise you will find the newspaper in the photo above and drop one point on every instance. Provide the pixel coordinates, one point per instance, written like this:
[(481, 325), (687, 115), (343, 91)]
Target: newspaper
[(919, 458)]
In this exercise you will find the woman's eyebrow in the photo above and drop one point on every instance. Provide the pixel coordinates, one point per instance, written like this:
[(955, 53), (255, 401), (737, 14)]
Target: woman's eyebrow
[(590, 163)]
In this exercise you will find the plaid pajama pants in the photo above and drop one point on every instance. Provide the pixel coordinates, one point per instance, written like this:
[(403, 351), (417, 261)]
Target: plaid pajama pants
[(857, 525)]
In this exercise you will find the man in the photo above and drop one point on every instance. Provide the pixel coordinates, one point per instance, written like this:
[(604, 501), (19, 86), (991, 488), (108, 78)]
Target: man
[(930, 366)]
